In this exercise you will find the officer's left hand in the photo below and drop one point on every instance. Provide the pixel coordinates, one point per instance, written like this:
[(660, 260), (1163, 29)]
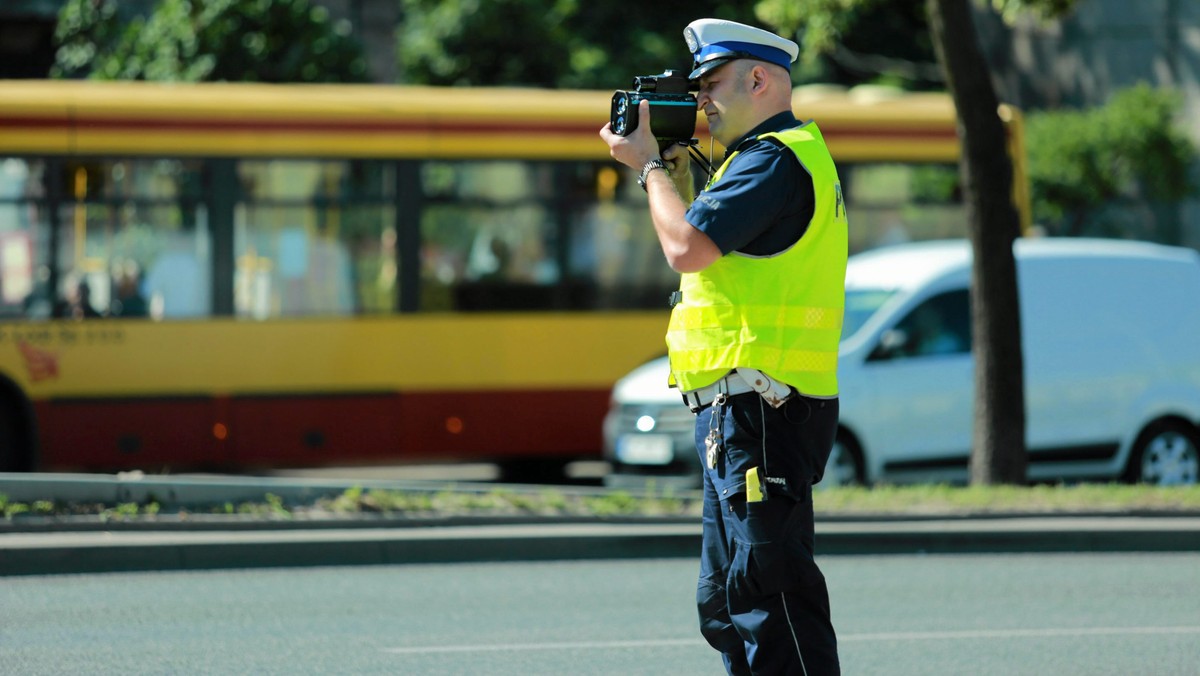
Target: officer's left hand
[(680, 164), (635, 150)]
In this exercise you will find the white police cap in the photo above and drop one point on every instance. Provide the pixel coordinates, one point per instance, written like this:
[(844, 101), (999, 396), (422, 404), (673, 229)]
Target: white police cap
[(714, 42)]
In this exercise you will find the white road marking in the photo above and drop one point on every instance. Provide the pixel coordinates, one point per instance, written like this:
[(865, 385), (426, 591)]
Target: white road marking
[(570, 645), (843, 638)]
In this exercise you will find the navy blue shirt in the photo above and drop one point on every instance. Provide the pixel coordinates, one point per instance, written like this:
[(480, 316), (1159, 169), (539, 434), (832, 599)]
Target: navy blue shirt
[(764, 202)]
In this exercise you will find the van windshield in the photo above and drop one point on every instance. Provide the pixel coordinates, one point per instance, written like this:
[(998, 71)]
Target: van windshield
[(860, 305)]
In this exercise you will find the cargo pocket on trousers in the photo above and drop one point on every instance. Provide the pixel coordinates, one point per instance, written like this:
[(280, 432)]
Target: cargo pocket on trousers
[(760, 569), (772, 551), (767, 545)]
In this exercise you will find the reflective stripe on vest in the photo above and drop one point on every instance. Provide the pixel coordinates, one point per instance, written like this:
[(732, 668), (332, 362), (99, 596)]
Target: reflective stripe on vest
[(779, 314)]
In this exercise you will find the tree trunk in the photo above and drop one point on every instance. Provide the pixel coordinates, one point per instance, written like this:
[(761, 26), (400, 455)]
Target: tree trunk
[(998, 453)]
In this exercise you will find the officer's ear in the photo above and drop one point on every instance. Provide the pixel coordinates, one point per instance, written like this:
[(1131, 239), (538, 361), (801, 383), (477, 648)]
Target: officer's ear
[(758, 78)]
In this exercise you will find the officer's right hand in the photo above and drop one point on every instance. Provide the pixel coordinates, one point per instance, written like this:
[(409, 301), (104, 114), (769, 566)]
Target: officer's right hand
[(636, 149)]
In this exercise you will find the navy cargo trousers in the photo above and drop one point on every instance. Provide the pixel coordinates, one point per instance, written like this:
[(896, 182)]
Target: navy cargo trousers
[(762, 599)]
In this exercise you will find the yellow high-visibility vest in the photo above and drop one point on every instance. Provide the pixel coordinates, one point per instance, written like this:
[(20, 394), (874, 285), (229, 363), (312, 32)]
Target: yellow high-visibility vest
[(780, 314)]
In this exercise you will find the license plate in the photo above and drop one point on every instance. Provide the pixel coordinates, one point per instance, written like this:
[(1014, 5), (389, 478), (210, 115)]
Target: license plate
[(645, 449)]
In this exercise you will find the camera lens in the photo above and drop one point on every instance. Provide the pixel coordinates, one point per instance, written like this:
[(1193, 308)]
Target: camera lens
[(619, 126), (622, 105)]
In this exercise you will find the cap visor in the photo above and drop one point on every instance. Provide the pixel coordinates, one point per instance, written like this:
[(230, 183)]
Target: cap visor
[(708, 66)]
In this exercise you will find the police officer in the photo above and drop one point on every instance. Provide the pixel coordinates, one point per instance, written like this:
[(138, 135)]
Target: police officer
[(753, 341)]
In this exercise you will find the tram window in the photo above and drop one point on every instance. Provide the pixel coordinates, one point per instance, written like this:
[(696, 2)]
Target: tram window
[(614, 258), (616, 253), (488, 236), (133, 239), (314, 238), (476, 257), (24, 272)]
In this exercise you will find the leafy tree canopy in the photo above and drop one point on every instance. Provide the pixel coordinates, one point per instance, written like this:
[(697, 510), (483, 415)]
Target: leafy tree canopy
[(828, 23), (594, 45), (1131, 147), (238, 40), (546, 43)]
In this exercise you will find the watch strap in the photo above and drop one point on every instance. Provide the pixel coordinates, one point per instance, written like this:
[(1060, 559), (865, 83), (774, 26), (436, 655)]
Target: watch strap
[(651, 166)]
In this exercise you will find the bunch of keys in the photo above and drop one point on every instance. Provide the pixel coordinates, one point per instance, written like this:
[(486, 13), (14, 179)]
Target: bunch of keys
[(712, 448), (712, 442)]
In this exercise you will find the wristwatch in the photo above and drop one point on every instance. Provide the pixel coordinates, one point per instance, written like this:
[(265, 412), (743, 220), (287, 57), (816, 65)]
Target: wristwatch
[(650, 166)]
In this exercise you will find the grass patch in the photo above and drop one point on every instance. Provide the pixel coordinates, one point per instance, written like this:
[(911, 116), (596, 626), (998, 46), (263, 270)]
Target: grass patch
[(918, 500), (1041, 499), (506, 502)]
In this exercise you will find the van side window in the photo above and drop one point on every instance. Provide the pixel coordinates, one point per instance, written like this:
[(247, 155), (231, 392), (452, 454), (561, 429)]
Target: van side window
[(940, 325)]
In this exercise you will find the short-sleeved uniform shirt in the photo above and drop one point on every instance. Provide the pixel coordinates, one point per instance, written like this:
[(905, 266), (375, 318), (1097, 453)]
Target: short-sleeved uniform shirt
[(764, 202)]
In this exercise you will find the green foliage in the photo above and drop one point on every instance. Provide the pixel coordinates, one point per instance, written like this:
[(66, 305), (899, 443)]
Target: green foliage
[(569, 43), (507, 502), (857, 41), (275, 504), (935, 184), (181, 40), (477, 41), (1079, 160), (120, 512), (827, 23), (85, 32), (824, 22), (906, 500), (617, 503), (1039, 499), (1041, 9), (546, 43), (553, 501), (601, 46), (253, 509), (349, 501), (12, 509)]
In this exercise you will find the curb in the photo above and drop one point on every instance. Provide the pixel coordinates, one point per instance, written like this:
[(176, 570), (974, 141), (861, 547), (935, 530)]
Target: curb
[(101, 552), (1022, 534), (54, 554), (54, 546)]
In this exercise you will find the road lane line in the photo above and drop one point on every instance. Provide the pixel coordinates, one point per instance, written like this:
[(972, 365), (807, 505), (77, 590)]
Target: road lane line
[(571, 645), (843, 638)]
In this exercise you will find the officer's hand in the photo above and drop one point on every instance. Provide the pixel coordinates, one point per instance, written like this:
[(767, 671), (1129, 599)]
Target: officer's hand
[(677, 158), (635, 150)]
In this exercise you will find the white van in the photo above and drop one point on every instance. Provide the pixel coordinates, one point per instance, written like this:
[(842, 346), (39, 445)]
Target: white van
[(1111, 338)]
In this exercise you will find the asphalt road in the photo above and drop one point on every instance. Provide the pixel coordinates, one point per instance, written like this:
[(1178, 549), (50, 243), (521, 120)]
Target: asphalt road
[(899, 614)]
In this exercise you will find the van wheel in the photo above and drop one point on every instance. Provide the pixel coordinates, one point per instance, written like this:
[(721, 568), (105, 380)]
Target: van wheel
[(1166, 454), (845, 465)]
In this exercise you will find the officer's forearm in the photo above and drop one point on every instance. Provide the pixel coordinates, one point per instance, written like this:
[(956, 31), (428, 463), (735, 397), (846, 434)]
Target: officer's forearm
[(686, 248)]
